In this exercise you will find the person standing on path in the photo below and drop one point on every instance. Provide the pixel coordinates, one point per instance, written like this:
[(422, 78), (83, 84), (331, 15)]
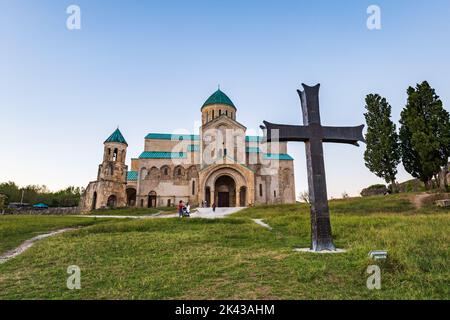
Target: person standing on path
[(180, 208), (214, 207)]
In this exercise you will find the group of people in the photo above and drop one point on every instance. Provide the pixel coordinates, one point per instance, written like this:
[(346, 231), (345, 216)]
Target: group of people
[(184, 210)]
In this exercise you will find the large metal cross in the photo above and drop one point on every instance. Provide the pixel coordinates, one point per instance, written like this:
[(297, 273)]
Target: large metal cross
[(313, 134)]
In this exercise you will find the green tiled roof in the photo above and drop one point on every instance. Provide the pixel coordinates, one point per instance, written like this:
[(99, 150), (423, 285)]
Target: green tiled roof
[(132, 176), (162, 155), (175, 137), (218, 97), (116, 137), (252, 150), (277, 156), (253, 139), (193, 148)]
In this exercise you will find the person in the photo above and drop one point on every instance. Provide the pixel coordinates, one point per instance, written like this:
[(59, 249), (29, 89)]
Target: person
[(180, 208), (214, 207)]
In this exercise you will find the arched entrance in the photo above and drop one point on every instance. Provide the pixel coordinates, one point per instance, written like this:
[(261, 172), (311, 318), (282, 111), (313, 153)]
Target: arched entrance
[(94, 201), (112, 202), (131, 197), (243, 197), (225, 191), (152, 199)]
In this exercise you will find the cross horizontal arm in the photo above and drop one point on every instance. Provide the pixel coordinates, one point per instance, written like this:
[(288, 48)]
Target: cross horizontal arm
[(349, 135), (282, 133)]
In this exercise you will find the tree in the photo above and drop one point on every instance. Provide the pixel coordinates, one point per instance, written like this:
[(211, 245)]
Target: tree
[(424, 133), (11, 191), (69, 197), (304, 196), (382, 154)]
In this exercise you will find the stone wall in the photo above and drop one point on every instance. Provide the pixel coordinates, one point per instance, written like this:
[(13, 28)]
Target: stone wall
[(98, 192), (49, 211)]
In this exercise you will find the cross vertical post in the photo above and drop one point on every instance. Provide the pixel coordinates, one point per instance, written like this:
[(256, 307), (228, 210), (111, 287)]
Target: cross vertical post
[(321, 236), (314, 134)]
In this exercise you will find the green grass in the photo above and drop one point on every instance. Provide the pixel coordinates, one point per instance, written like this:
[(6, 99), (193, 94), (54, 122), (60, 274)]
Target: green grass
[(16, 229), (235, 258), (134, 211)]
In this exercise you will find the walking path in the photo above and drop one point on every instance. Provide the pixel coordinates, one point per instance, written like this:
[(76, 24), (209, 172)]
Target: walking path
[(28, 243), (205, 213), (262, 223)]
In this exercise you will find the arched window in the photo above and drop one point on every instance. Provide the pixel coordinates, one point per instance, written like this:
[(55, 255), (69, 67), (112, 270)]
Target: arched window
[(166, 171), (111, 169), (220, 112), (193, 187), (115, 154), (226, 112), (178, 172), (260, 190), (213, 114), (274, 193)]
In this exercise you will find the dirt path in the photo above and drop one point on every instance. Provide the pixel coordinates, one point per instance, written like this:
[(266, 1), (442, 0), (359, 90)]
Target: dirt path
[(262, 223), (28, 243), (418, 199)]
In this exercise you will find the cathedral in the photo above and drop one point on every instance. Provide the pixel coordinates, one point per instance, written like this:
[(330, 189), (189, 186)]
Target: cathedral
[(221, 165)]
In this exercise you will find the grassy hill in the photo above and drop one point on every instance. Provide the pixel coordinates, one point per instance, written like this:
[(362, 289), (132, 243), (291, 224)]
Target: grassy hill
[(235, 258)]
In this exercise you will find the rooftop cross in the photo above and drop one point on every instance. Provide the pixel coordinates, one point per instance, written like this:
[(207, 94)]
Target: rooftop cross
[(313, 134)]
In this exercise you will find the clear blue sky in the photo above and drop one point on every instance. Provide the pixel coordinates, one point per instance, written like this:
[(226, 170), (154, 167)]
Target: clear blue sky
[(148, 66)]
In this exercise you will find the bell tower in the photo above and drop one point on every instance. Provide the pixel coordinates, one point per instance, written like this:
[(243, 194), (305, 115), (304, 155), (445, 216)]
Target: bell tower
[(113, 167), (109, 190)]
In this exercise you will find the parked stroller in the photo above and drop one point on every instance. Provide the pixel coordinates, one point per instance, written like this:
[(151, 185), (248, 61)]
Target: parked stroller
[(185, 212)]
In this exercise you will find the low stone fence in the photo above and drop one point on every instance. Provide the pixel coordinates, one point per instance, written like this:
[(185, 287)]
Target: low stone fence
[(49, 211)]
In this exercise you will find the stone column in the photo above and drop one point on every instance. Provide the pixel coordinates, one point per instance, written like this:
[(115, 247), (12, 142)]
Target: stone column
[(238, 196), (213, 197)]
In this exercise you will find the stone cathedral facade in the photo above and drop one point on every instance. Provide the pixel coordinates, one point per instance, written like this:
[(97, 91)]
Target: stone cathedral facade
[(220, 165)]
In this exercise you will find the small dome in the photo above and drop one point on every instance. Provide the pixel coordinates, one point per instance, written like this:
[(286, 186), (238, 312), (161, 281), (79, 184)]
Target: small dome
[(218, 97)]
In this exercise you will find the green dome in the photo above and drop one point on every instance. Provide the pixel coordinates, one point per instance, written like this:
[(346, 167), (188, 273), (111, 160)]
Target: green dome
[(116, 137), (218, 97)]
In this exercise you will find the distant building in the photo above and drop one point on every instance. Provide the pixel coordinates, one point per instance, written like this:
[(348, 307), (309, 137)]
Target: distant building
[(221, 165)]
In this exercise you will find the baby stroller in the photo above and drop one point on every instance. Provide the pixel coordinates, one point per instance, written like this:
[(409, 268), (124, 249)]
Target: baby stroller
[(185, 212)]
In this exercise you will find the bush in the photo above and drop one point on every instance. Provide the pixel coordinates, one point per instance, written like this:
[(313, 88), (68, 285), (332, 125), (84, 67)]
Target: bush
[(375, 190)]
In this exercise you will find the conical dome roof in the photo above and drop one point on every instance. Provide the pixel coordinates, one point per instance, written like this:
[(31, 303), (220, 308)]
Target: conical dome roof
[(116, 137)]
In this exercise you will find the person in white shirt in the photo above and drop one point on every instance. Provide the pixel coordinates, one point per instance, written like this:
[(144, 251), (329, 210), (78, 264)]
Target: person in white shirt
[(188, 209)]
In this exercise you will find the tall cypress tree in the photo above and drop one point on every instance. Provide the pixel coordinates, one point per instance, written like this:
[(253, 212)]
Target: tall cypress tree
[(424, 133), (382, 154)]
